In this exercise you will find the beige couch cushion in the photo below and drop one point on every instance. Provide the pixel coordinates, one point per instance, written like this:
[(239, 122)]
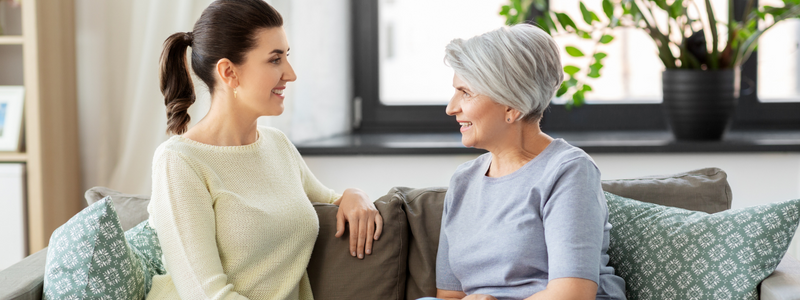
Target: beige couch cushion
[(423, 208), (131, 209), (704, 190), (334, 274)]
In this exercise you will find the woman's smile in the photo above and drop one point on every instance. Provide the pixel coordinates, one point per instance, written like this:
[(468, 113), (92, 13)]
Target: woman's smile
[(465, 125), (278, 91)]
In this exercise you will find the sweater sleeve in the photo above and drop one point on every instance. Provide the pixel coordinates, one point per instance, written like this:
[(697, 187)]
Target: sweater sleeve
[(182, 212)]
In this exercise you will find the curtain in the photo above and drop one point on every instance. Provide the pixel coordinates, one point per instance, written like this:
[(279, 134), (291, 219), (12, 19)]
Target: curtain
[(121, 109)]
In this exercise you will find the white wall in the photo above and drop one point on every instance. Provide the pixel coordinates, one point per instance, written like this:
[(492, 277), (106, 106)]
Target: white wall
[(755, 178)]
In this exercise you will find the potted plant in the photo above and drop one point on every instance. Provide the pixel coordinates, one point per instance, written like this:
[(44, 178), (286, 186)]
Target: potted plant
[(701, 55)]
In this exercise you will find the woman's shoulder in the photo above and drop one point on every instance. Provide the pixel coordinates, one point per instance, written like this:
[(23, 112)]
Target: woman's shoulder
[(174, 148), (564, 154), (275, 136), (172, 145), (268, 131)]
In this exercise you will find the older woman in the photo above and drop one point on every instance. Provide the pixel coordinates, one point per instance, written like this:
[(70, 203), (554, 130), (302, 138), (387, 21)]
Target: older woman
[(527, 220)]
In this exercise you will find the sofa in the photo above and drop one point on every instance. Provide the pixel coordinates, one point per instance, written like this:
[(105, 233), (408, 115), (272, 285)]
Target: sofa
[(402, 265)]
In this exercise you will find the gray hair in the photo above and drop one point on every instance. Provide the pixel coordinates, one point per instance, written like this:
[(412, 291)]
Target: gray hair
[(517, 66)]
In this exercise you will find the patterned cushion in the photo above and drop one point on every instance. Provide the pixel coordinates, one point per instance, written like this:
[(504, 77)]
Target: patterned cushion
[(144, 242), (89, 258), (672, 253)]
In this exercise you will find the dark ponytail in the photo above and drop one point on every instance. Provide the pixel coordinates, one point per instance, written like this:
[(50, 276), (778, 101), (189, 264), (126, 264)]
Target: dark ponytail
[(226, 29), (176, 82)]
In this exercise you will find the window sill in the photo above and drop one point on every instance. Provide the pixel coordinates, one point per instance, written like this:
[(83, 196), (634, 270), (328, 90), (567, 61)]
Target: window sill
[(591, 142)]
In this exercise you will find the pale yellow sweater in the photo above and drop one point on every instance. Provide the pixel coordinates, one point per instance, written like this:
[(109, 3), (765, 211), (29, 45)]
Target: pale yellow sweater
[(234, 222)]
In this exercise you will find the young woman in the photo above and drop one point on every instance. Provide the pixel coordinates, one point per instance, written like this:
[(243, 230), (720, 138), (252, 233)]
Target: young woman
[(231, 201), (527, 220)]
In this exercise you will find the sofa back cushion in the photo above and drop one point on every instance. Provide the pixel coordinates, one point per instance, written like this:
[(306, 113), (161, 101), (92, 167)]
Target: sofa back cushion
[(705, 190), (423, 208), (131, 209), (334, 274)]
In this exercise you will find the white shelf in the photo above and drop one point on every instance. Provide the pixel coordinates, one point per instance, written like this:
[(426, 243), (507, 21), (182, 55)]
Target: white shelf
[(10, 40), (13, 157)]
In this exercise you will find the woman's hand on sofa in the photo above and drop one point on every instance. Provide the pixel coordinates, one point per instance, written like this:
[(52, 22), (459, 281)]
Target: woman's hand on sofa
[(366, 223)]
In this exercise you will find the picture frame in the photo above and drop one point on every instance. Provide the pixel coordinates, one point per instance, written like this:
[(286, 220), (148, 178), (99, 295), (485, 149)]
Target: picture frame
[(12, 101)]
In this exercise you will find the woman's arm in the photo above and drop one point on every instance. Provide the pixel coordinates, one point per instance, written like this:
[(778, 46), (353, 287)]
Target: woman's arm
[(567, 289), (450, 295), (355, 208), (574, 219), (181, 211)]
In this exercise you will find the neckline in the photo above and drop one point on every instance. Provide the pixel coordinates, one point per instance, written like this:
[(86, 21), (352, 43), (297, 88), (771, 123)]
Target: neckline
[(488, 163), (254, 145)]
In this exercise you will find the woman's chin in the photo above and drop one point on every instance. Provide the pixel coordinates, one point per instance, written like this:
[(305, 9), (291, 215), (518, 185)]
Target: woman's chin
[(467, 142)]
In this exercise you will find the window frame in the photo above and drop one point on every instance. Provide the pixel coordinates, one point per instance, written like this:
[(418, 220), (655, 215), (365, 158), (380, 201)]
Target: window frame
[(372, 116)]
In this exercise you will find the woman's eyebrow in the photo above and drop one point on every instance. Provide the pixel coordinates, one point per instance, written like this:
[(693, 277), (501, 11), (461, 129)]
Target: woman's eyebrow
[(279, 51)]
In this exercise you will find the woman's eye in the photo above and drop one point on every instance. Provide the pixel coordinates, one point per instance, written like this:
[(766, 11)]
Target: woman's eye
[(276, 61), (465, 94)]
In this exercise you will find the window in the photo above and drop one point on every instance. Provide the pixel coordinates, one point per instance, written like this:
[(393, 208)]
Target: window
[(402, 84)]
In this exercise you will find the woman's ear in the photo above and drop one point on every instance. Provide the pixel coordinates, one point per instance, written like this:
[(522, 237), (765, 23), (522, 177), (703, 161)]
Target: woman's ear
[(512, 115), (226, 71)]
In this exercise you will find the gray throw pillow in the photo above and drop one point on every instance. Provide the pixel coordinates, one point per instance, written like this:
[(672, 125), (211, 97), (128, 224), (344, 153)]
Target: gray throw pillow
[(131, 209), (705, 190)]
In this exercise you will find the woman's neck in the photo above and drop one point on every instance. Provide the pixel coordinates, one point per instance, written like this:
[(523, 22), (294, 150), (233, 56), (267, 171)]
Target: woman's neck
[(224, 126), (517, 149)]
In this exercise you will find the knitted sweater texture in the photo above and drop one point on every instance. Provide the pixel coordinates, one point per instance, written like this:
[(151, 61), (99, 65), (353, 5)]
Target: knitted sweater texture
[(234, 222)]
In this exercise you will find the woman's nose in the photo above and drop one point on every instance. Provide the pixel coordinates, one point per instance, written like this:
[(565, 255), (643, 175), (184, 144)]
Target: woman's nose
[(288, 74), (452, 107)]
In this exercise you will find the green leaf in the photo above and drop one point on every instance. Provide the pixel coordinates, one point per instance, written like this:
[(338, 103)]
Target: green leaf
[(574, 52), (571, 82), (585, 35), (586, 88), (594, 16), (606, 39), (504, 10), (587, 17), (543, 24), (662, 4), (565, 21), (571, 70), (676, 9), (761, 15), (578, 98), (599, 55), (594, 70), (562, 90), (608, 8)]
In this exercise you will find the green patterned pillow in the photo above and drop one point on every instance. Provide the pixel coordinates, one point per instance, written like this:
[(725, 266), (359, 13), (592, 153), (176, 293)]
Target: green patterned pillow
[(144, 241), (89, 258), (671, 253)]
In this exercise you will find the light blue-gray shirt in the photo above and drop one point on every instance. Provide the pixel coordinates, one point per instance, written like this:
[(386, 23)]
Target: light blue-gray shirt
[(509, 236)]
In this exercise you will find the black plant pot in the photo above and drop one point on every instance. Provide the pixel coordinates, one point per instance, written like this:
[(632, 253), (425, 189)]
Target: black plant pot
[(699, 104)]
